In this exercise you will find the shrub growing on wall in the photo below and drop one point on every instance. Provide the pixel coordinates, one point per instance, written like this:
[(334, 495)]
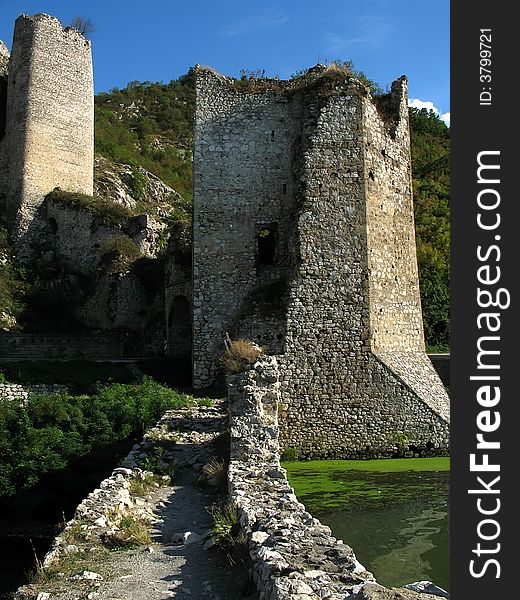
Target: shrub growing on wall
[(118, 254), (108, 213)]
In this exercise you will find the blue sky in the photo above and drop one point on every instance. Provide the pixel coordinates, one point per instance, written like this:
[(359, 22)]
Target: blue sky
[(159, 40)]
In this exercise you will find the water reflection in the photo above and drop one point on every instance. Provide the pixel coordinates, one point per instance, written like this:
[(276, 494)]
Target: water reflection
[(397, 522)]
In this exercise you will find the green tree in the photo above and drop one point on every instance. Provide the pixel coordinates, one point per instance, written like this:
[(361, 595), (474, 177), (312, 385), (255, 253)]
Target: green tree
[(431, 185)]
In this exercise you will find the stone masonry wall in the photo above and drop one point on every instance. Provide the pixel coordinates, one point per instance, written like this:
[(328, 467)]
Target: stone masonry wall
[(50, 121), (118, 302), (242, 182), (4, 69), (354, 375), (294, 556), (38, 346), (15, 391), (354, 271), (395, 302)]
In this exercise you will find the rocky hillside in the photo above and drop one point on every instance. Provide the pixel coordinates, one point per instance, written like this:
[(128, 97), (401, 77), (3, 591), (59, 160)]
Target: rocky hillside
[(149, 125), (138, 190)]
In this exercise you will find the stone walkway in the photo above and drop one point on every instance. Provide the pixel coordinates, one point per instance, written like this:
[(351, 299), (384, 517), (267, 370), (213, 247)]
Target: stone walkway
[(182, 562), (172, 567)]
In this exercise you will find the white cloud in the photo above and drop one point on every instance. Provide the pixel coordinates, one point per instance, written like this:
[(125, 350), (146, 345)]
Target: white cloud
[(370, 31), (416, 103), (249, 25)]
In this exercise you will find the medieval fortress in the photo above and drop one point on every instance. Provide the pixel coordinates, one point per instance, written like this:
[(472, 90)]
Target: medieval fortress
[(303, 235)]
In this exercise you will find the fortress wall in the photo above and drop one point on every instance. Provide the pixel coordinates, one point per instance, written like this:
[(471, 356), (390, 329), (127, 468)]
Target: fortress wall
[(293, 555), (242, 182), (355, 381), (36, 346), (77, 236), (340, 399), (50, 120), (395, 303), (368, 412)]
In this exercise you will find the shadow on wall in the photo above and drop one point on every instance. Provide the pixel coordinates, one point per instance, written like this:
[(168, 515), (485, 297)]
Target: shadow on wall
[(441, 363)]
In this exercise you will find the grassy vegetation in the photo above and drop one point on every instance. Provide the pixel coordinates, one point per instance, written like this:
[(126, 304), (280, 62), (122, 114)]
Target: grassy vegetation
[(142, 486), (150, 125), (239, 354), (255, 82), (108, 213), (225, 523), (119, 254), (68, 566), (232, 542), (132, 531)]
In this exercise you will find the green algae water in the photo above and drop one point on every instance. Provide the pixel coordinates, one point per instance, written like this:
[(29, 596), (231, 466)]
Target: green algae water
[(393, 512)]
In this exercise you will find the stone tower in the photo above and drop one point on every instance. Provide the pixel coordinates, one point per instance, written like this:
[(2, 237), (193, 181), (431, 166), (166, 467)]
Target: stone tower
[(304, 242), (49, 123)]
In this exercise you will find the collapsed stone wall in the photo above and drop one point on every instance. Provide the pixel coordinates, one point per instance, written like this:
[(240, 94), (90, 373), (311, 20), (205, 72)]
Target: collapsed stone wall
[(324, 168), (76, 237), (17, 392), (294, 556), (49, 139)]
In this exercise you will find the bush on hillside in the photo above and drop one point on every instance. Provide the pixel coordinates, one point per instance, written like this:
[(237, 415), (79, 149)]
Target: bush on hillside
[(50, 430), (119, 254)]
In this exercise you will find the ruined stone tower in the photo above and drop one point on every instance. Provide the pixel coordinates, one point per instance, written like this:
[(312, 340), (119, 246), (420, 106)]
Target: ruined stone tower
[(48, 140), (304, 241)]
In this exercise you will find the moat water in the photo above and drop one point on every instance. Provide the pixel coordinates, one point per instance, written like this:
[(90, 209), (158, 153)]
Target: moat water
[(393, 513)]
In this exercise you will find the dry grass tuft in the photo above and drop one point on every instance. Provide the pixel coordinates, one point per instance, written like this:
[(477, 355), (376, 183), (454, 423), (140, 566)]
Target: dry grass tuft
[(131, 532), (215, 471), (239, 354)]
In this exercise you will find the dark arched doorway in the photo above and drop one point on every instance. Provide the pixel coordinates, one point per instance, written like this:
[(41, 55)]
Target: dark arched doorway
[(179, 328)]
